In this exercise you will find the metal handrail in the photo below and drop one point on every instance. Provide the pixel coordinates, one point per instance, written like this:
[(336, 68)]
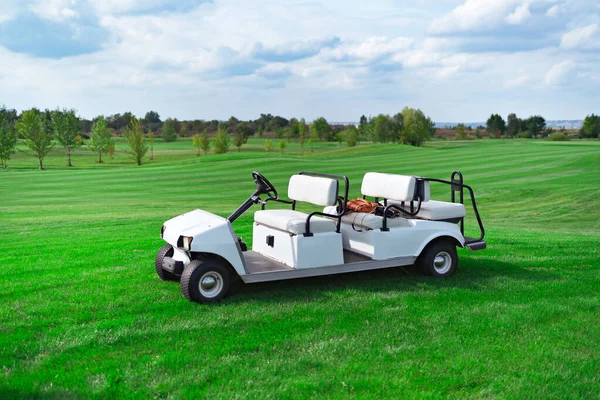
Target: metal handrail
[(343, 200), (461, 186)]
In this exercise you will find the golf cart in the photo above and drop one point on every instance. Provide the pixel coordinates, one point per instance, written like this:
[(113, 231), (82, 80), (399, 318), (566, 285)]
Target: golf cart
[(203, 251)]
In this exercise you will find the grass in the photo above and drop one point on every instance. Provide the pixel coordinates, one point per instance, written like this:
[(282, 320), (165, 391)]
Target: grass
[(84, 316)]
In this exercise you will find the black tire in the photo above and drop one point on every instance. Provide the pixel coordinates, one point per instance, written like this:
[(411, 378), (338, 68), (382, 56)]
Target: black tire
[(165, 251), (215, 289), (439, 259)]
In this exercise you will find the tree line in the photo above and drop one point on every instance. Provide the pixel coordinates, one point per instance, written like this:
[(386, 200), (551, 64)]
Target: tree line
[(535, 127), (41, 130)]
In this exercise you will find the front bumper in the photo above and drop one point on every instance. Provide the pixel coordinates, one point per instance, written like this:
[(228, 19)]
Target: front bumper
[(173, 266)]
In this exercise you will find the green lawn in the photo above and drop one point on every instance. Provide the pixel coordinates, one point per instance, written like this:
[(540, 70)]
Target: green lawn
[(84, 315)]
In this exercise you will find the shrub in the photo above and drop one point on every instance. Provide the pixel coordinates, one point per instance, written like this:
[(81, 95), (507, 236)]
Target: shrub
[(559, 137), (268, 145), (523, 134)]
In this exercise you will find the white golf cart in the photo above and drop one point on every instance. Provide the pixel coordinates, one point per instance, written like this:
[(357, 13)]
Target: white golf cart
[(203, 251)]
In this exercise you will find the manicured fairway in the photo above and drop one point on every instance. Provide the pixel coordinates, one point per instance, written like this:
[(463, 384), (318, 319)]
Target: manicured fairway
[(84, 315)]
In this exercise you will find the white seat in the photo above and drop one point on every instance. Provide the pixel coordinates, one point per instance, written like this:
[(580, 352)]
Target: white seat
[(365, 221), (293, 221), (312, 189), (436, 210)]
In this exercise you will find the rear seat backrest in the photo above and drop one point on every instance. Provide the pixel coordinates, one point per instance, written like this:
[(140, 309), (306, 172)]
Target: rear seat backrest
[(313, 189), (389, 186)]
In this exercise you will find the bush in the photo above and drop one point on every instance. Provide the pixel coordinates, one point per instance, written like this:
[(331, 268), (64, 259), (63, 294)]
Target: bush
[(523, 134), (268, 145), (559, 137)]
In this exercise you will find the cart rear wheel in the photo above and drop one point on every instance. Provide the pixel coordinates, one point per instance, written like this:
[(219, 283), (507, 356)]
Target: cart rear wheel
[(165, 251), (205, 281), (439, 259)]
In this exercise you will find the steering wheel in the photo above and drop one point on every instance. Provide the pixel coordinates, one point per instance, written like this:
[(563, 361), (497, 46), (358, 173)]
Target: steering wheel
[(263, 186)]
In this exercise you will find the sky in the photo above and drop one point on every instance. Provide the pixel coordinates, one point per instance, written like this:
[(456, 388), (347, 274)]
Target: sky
[(457, 60)]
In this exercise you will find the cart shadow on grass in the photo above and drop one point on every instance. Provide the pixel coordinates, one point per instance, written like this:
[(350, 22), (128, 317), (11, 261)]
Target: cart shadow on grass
[(474, 274)]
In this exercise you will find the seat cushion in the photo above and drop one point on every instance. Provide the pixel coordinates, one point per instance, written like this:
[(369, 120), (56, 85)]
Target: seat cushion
[(436, 210), (293, 221), (313, 189), (367, 221), (388, 186)]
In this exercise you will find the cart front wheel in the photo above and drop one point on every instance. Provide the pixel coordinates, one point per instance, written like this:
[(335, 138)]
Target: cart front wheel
[(205, 281), (165, 251), (439, 259)]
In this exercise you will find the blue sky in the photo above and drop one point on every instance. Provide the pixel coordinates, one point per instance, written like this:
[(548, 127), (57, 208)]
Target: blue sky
[(457, 60)]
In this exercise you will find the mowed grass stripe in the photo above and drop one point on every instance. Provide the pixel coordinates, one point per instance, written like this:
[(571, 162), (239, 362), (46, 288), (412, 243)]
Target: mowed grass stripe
[(85, 316)]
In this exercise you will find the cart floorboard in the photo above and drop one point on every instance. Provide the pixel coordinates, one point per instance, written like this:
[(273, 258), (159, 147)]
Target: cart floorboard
[(264, 269)]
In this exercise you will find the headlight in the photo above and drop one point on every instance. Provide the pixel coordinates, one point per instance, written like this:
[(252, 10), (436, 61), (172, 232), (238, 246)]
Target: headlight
[(187, 242)]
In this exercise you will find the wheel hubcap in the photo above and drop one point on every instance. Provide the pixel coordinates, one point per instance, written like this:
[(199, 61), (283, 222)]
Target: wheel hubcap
[(208, 283), (442, 262), (211, 284)]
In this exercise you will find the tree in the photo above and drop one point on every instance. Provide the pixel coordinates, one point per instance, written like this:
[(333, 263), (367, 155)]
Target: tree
[(302, 133), (314, 136), (397, 123), (351, 136), (339, 137), (65, 124), (239, 140), (37, 139), (496, 125), (197, 140), (222, 141), (461, 132), (322, 129), (8, 135), (268, 145), (260, 131), (136, 140), (169, 132), (151, 140), (417, 127), (100, 139), (535, 125), (513, 125), (381, 129), (111, 150), (591, 126), (118, 121), (204, 142), (152, 117), (282, 145), (365, 129)]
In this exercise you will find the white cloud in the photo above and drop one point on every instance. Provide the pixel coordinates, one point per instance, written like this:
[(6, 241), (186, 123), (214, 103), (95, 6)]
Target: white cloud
[(519, 15), (553, 11), (584, 37), (472, 15), (517, 82), (373, 48), (206, 61), (8, 9), (557, 73), (55, 10)]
